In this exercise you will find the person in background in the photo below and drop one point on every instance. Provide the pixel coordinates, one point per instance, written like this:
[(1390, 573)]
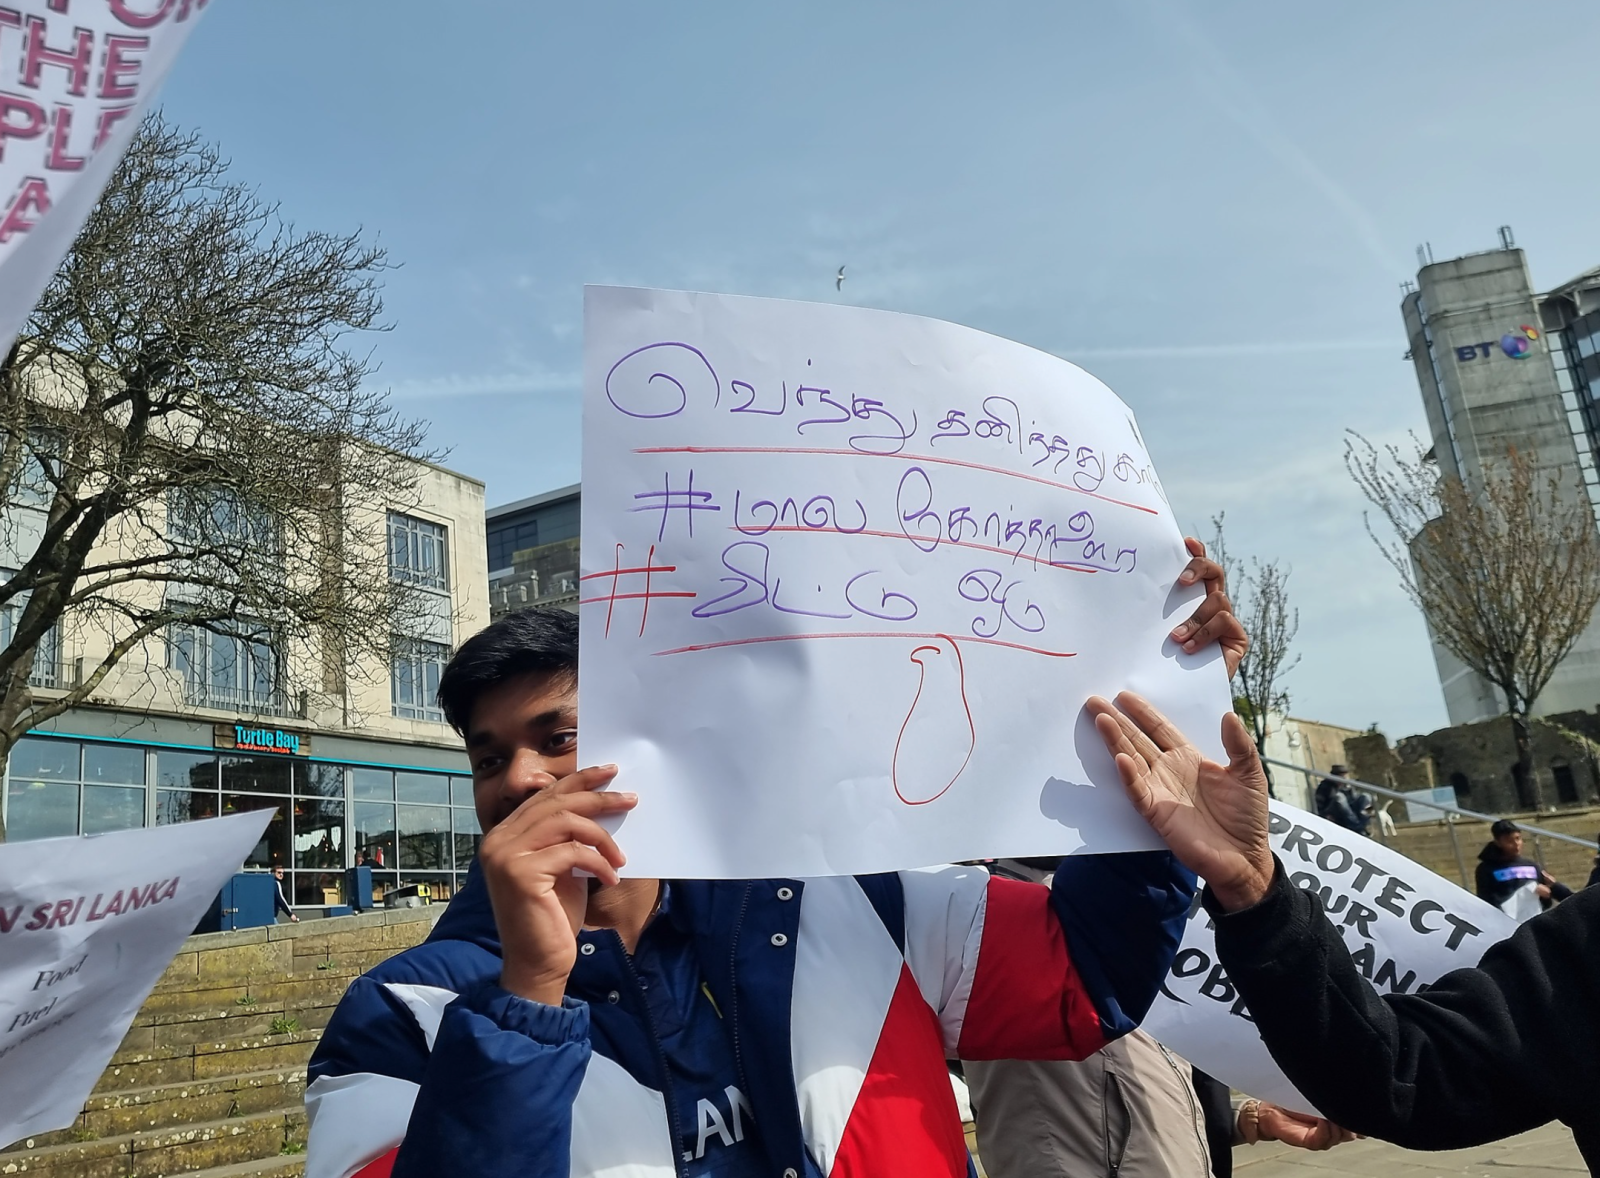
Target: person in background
[(1134, 1109), (280, 902), (1510, 881), (1339, 804), (1482, 1054)]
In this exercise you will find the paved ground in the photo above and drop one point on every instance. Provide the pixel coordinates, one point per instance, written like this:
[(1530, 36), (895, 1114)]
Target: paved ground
[(1544, 1153)]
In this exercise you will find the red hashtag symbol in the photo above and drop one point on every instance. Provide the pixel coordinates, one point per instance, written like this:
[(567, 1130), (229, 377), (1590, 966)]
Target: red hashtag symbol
[(647, 571)]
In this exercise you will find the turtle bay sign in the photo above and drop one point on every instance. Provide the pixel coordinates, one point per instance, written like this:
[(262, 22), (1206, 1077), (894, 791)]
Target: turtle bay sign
[(246, 737)]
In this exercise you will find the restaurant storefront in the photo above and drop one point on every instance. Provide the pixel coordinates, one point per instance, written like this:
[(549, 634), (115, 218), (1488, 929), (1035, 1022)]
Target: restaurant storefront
[(405, 810)]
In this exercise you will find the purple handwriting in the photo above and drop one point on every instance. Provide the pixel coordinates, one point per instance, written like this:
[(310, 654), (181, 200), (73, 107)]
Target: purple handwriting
[(749, 563)]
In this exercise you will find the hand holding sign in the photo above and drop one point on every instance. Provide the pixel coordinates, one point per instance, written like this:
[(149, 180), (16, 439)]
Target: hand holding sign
[(1214, 817)]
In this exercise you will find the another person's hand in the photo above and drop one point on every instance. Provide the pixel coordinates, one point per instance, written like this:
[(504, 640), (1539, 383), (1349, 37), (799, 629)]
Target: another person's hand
[(1213, 620), (293, 919), (1298, 1129), (1214, 817), (1543, 891), (528, 863)]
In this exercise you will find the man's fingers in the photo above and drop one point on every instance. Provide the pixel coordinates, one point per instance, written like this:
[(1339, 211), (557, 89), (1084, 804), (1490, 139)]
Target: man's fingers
[(1223, 627), (1243, 760), (565, 858), (567, 826), (1131, 741), (1160, 731), (524, 821), (593, 777)]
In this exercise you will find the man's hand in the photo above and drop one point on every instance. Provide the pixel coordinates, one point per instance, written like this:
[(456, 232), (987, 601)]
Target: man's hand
[(1214, 817), (1298, 1129), (1213, 621), (1542, 891), (528, 863)]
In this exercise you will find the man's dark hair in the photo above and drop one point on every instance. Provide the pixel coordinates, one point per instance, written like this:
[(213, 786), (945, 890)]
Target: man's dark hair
[(1504, 826), (543, 640)]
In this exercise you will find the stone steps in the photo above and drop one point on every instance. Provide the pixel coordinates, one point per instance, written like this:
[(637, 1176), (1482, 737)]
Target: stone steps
[(179, 1063), (166, 1106), (183, 1149)]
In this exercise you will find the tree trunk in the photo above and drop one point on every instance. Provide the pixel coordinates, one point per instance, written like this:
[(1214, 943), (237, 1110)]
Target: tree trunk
[(1527, 783)]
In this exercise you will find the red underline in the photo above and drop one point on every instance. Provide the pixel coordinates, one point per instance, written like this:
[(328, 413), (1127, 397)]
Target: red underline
[(836, 530), (1000, 470), (1055, 654), (634, 596)]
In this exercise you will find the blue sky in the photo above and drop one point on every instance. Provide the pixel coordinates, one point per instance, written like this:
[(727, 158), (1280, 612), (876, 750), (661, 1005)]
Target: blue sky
[(1210, 206)]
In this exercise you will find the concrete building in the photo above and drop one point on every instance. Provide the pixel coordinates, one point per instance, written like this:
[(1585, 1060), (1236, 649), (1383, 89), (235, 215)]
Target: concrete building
[(194, 723), (1310, 744), (1500, 366), (533, 552)]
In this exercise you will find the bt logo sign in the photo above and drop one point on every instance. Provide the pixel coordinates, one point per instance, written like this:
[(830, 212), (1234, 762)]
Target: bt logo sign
[(1516, 344)]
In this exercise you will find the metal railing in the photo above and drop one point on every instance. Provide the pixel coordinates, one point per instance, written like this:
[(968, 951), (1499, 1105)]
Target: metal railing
[(1451, 813)]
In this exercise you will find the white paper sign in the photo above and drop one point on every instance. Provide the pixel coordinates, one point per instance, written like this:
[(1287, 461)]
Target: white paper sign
[(1404, 925), (75, 77), (87, 925), (848, 577)]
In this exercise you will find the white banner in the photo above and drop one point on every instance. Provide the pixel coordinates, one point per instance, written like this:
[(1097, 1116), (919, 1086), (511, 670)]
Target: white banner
[(87, 926), (1404, 925), (75, 78), (848, 577)]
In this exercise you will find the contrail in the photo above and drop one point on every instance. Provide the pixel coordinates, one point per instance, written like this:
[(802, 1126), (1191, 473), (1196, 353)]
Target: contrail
[(1218, 81)]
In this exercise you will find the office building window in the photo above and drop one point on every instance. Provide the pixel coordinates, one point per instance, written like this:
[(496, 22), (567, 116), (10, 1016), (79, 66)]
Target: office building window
[(414, 679), (417, 552), (232, 667), (47, 655)]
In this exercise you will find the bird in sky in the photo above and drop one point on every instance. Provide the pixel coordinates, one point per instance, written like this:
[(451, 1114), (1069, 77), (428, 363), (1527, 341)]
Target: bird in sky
[(838, 279)]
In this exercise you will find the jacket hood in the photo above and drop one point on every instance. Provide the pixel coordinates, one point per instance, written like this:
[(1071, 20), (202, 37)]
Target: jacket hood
[(1492, 853)]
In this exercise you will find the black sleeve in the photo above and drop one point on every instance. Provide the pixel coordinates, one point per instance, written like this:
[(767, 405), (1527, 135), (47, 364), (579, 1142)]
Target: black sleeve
[(1558, 890), (1483, 881), (1216, 1103), (1483, 1054)]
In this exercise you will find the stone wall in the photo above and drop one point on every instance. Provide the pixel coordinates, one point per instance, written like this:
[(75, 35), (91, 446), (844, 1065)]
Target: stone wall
[(1477, 761)]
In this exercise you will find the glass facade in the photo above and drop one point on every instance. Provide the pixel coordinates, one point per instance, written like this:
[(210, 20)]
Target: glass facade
[(1575, 353), (409, 826)]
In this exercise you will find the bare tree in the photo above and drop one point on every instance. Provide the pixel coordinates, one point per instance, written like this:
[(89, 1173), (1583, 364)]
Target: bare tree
[(1507, 577), (188, 449), (1260, 594)]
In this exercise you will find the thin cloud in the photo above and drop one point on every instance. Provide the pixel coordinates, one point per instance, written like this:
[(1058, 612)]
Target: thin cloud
[(484, 384), (1228, 351)]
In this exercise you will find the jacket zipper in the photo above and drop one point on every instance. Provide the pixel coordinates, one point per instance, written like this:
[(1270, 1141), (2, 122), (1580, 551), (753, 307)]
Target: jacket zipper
[(733, 987), (668, 1097), (1194, 1112)]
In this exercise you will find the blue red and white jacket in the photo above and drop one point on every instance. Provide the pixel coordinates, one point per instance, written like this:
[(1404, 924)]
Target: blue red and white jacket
[(845, 995)]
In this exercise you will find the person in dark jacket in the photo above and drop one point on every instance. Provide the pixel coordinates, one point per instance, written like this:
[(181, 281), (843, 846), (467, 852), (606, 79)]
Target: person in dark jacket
[(564, 1023), (1504, 875), (1482, 1054)]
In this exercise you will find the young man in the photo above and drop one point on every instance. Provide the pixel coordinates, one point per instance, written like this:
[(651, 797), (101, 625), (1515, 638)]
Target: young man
[(1511, 882), (560, 1024)]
